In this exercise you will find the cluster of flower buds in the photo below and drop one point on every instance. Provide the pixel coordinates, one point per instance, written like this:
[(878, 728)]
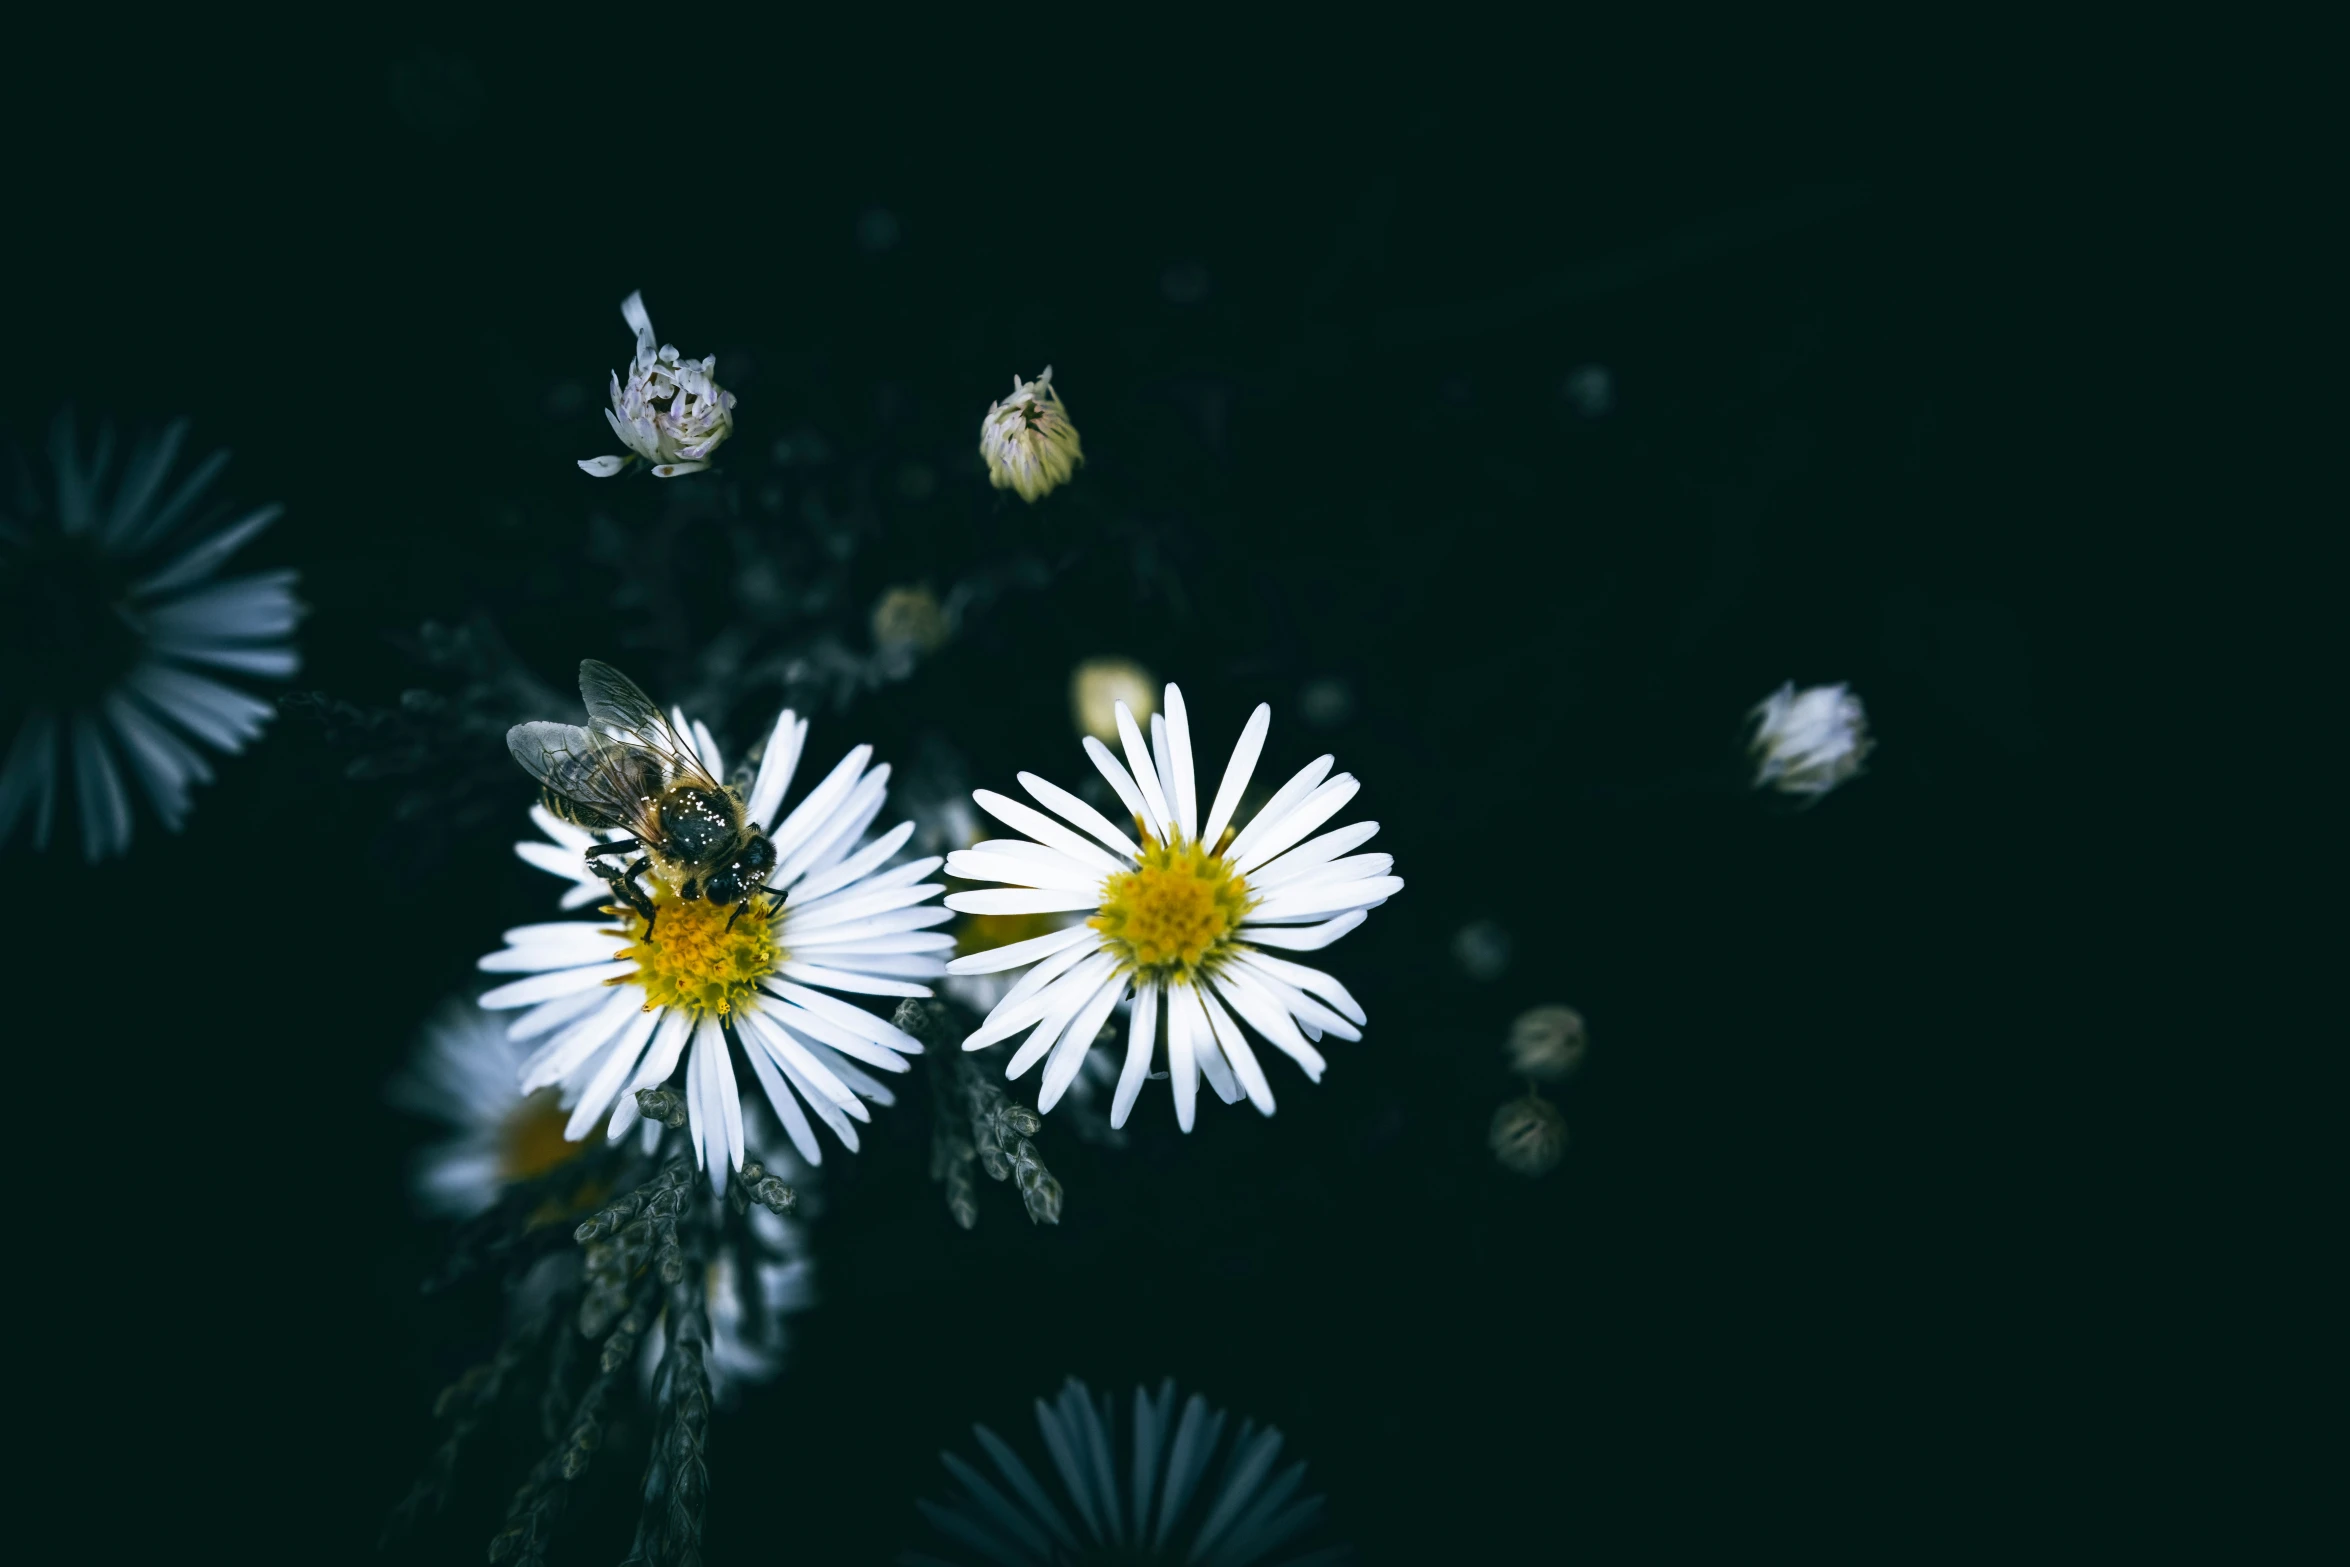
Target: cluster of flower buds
[(670, 411)]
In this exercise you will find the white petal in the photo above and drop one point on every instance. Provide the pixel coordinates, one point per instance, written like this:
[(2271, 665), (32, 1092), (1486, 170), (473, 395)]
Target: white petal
[(1121, 782), (1067, 992), (878, 1029), (920, 917), (1027, 819), (1307, 938), (1253, 1002), (1067, 875), (1050, 969), (1237, 773), (563, 1054), (1142, 1026), (865, 905), (1307, 815), (1075, 996), (1307, 779), (620, 1061), (787, 1107), (543, 987), (1333, 898), (996, 959), (602, 467), (1312, 853), (1208, 1051), (536, 957), (577, 839), (858, 984), (1311, 1015), (837, 830), (866, 1085), (1179, 756), (1312, 980), (270, 663), (678, 470), (833, 1035), (1022, 900), (551, 1014), (1055, 798), (1146, 777), (791, 1052), (1236, 1050), (776, 765), (1183, 1015), (871, 857), (1070, 1053), (830, 947), (817, 808)]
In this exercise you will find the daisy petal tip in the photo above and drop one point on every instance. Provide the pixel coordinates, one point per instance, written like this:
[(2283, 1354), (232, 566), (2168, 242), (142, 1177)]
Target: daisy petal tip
[(602, 467)]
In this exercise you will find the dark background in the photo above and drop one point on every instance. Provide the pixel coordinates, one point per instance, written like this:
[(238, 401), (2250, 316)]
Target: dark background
[(1795, 1282)]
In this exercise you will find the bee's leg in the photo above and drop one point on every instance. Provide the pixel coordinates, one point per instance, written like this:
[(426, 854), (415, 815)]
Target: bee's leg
[(616, 846), (622, 880)]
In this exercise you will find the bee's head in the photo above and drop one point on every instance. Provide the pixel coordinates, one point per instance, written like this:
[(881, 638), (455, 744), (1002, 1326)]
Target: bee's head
[(725, 886)]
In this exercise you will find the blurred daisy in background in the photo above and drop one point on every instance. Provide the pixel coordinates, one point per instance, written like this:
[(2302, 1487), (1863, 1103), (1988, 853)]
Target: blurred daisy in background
[(670, 411), (115, 633), (1180, 920), (1172, 1491), (618, 1011), (466, 1076), (1807, 742), (1030, 446), (1098, 685)]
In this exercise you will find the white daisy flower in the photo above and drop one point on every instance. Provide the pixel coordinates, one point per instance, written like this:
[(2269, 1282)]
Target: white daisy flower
[(669, 412), (465, 1076), (113, 629), (1030, 446), (1175, 1493), (1179, 920), (1807, 742), (618, 1011)]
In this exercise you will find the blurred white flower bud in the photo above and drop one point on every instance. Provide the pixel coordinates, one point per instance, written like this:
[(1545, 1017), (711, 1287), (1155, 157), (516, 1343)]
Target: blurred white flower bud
[(1097, 688), (910, 618), (1028, 441), (669, 412), (1807, 742), (1547, 1042), (1529, 1135)]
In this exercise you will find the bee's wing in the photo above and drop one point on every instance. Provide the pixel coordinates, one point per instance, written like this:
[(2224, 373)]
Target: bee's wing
[(620, 707), (607, 784)]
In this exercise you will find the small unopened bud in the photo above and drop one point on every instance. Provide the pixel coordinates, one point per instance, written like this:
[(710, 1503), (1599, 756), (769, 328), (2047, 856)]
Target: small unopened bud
[(1043, 1199), (1547, 1042), (665, 1105), (1022, 1120), (1807, 742), (1030, 446), (910, 618), (1098, 685), (1529, 1135)]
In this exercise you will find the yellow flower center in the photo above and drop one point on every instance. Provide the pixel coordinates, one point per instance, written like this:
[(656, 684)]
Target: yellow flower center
[(1173, 915), (702, 956)]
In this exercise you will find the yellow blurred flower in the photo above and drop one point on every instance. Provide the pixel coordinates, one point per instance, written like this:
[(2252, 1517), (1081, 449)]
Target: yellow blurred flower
[(1099, 685)]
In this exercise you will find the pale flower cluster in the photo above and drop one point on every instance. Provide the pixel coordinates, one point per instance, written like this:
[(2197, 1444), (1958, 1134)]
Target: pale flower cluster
[(1807, 742), (1030, 445), (670, 411)]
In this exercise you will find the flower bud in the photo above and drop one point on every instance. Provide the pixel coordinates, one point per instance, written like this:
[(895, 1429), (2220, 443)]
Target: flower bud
[(669, 411), (1529, 1135), (1807, 742), (1028, 441), (1547, 1042), (1100, 684)]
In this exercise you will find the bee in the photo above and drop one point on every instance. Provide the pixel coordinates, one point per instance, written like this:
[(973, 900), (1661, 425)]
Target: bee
[(633, 771)]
